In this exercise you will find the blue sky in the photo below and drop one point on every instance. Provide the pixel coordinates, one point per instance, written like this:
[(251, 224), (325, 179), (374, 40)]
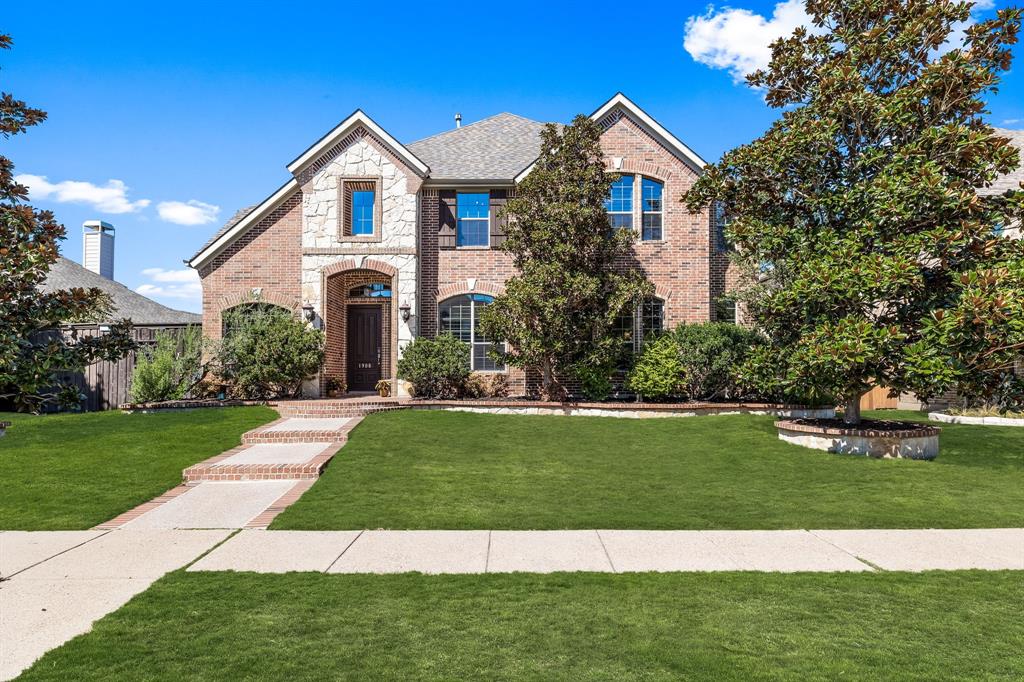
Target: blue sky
[(165, 118)]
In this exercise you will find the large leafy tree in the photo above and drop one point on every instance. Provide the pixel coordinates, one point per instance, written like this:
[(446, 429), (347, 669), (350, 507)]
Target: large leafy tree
[(558, 311), (32, 350), (870, 256)]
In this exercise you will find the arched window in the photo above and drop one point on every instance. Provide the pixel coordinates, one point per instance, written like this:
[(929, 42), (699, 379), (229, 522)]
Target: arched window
[(651, 206), (375, 290), (619, 203), (459, 316), (238, 316)]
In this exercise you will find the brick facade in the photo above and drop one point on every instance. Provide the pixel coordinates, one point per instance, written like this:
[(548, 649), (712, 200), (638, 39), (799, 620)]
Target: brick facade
[(299, 255), (265, 264)]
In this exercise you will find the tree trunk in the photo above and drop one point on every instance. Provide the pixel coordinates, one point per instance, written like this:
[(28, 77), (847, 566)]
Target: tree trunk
[(851, 411), (545, 378)]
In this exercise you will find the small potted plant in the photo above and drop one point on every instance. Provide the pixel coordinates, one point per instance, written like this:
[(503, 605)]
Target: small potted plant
[(384, 388), (335, 387)]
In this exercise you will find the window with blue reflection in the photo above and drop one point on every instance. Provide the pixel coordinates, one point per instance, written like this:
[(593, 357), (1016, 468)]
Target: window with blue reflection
[(473, 219), (651, 206), (459, 316), (362, 212), (619, 203)]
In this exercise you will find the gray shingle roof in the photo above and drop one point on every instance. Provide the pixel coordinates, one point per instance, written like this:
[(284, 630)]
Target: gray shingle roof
[(1010, 180), (496, 148), (65, 274)]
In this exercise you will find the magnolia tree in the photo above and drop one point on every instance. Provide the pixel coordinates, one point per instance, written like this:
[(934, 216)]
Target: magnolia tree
[(558, 312), (870, 258), (33, 352)]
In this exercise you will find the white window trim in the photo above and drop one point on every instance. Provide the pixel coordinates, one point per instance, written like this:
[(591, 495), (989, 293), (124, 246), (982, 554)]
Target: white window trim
[(643, 212), (632, 208)]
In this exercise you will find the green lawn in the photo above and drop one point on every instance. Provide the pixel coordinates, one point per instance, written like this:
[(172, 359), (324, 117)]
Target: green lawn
[(73, 471), (451, 470), (720, 626)]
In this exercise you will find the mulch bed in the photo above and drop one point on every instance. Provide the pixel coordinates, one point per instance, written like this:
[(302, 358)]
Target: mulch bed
[(867, 427)]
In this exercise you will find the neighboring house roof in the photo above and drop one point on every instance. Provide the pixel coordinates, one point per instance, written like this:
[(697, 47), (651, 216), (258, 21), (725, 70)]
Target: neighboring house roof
[(65, 274), (1013, 179), (495, 148)]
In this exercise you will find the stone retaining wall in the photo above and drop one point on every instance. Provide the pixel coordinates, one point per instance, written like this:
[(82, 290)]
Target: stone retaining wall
[(922, 443)]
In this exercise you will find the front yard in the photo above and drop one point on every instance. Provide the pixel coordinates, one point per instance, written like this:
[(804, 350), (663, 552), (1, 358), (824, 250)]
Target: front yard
[(723, 626), (73, 471), (450, 470)]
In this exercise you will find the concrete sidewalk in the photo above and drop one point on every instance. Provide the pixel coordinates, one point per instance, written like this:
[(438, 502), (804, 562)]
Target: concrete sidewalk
[(482, 551), (56, 584)]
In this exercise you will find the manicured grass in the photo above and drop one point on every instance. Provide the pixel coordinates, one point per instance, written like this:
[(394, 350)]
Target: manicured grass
[(732, 626), (73, 471), (450, 470)]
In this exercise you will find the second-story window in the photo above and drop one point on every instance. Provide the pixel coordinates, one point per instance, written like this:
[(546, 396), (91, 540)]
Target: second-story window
[(619, 203), (651, 205), (474, 221), (363, 201)]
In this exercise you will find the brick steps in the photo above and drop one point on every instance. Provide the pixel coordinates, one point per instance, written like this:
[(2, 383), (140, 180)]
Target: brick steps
[(312, 409), (213, 470)]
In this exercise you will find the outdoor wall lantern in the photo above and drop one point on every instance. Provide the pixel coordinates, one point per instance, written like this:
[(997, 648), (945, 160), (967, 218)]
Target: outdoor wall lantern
[(406, 311), (308, 312)]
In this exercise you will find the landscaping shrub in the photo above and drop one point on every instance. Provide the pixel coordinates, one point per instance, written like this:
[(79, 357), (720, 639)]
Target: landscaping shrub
[(268, 354), (596, 381), (485, 385), (437, 368), (658, 372), (169, 369), (696, 361), (709, 352)]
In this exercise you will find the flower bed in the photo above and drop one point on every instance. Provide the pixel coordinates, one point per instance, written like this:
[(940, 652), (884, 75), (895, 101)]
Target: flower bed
[(885, 439)]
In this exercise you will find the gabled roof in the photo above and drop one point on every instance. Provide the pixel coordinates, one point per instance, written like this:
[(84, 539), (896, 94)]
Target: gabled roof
[(65, 274), (358, 118), (1012, 179), (240, 222), (654, 129), (495, 148)]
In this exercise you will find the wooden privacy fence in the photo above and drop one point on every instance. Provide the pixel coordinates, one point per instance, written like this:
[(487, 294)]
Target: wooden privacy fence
[(105, 385)]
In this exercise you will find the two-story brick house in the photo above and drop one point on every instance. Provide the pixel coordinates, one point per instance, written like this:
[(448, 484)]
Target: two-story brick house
[(378, 242)]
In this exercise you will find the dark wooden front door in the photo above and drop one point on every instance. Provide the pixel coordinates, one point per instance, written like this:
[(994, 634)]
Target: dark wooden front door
[(363, 347)]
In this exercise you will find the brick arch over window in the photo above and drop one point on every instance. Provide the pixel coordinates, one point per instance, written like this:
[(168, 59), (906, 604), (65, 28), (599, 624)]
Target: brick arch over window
[(248, 296), (461, 288), (363, 264), (644, 168)]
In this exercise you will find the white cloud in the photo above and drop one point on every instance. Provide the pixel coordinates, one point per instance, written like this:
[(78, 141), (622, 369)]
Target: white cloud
[(1012, 121), (110, 198), (737, 40), (179, 288), (191, 212)]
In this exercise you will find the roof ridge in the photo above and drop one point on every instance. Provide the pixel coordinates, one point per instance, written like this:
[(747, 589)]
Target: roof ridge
[(470, 125)]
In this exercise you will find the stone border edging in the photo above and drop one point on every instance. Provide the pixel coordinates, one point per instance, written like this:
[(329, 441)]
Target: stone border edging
[(629, 410), (977, 421), (188, 405)]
